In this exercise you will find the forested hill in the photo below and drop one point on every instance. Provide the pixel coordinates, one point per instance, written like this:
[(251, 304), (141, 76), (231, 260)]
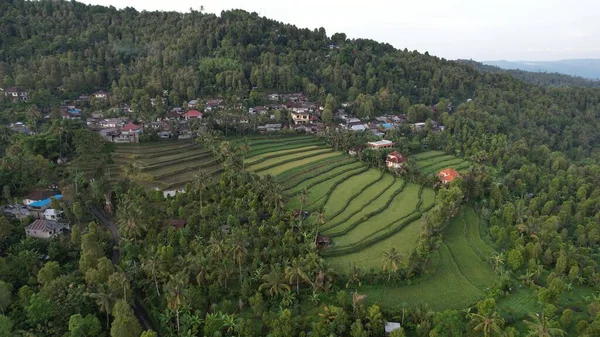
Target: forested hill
[(538, 78), (78, 48)]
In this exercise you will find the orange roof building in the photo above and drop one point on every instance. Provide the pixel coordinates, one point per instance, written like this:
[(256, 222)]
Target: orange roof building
[(448, 175)]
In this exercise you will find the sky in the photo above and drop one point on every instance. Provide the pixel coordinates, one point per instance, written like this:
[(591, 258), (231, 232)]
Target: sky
[(482, 30)]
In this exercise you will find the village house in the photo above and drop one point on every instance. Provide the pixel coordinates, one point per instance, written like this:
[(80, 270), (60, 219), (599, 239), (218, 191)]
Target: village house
[(192, 114), (354, 151), (172, 116), (130, 133), (192, 104), (213, 104), (110, 134), (53, 214), (395, 160), (16, 93), (37, 208), (112, 122), (46, 229), (125, 108), (300, 117), (20, 127), (178, 110), (100, 95), (15, 211), (270, 127), (39, 195), (380, 144), (82, 99), (356, 126), (273, 97), (258, 110), (70, 112), (448, 175)]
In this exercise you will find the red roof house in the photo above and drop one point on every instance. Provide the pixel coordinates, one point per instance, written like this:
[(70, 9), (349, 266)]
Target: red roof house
[(395, 160), (448, 175), (193, 114), (130, 127)]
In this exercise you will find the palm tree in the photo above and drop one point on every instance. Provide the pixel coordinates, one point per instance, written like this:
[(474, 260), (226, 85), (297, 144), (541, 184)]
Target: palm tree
[(303, 200), (104, 299), (498, 260), (151, 266), (490, 325), (216, 249), (239, 253), (540, 326), (120, 278), (391, 261), (244, 149), (274, 283), (354, 275), (129, 213), (199, 183), (175, 293), (356, 299), (295, 273)]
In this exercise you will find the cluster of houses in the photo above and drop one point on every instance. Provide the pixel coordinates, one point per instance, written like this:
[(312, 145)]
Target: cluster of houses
[(16, 93), (395, 160), (48, 222)]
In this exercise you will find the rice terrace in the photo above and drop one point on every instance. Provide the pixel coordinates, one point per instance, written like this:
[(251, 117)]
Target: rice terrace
[(167, 165), (366, 212)]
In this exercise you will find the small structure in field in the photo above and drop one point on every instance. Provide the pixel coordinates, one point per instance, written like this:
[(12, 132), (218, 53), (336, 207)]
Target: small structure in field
[(448, 175), (395, 160)]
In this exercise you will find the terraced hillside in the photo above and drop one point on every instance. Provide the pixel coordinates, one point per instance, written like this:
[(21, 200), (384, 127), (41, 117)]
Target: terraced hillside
[(462, 277), (166, 165), (431, 162), (364, 207)]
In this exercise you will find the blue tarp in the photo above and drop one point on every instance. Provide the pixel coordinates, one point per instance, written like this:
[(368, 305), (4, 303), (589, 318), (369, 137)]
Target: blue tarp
[(45, 202), (388, 126)]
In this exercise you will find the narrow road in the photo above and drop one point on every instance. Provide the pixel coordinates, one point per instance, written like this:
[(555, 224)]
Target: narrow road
[(139, 311)]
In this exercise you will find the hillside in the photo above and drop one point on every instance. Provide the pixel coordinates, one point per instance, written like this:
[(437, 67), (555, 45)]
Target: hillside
[(586, 68), (286, 234), (137, 55)]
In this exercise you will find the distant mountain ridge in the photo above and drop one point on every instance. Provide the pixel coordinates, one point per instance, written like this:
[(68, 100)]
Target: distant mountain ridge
[(550, 79), (586, 68)]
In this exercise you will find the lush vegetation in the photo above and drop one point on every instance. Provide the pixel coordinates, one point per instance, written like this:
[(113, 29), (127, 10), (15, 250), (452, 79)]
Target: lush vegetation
[(517, 235)]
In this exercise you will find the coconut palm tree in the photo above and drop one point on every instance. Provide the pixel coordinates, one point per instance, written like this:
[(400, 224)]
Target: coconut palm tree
[(490, 325), (129, 214), (239, 253), (541, 326), (303, 200), (151, 265), (175, 289), (216, 248), (199, 182), (356, 300), (274, 283), (244, 149), (354, 274), (104, 300), (391, 261), (295, 274)]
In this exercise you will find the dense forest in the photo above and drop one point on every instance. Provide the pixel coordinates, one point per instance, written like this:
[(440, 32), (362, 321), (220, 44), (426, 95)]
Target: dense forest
[(244, 266)]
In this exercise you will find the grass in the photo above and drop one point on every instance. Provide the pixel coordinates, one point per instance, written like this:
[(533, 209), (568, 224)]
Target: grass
[(445, 288), (286, 166), (473, 234), (428, 154), (346, 190), (324, 176), (271, 148), (369, 259), (167, 164), (318, 192), (475, 268), (433, 169), (362, 200), (297, 176), (431, 162), (402, 205), (282, 152), (273, 161), (427, 198), (346, 219)]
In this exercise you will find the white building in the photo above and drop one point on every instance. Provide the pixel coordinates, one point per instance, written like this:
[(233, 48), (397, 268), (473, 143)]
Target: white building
[(53, 214)]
